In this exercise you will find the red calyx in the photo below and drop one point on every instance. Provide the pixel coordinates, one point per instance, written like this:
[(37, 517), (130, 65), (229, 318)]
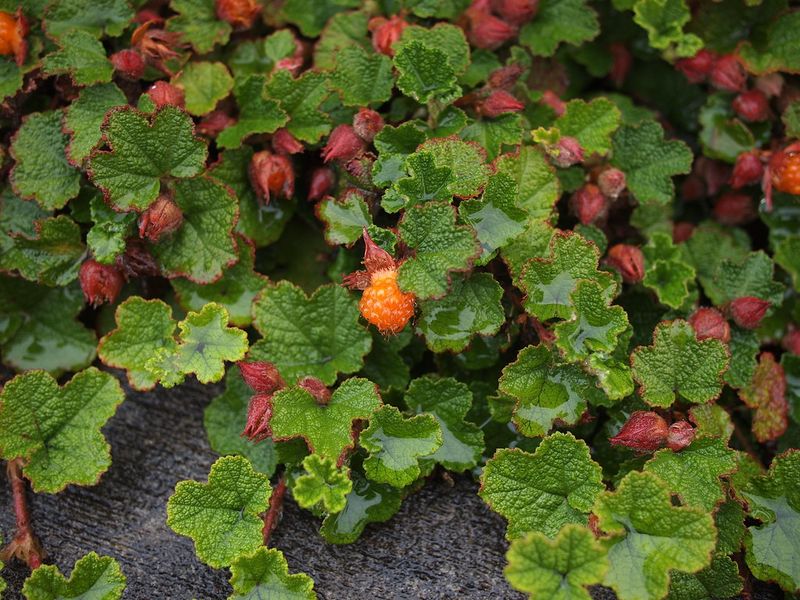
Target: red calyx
[(100, 283), (622, 60), (343, 145), (748, 311), (322, 180), (504, 78), (271, 175), (259, 412), (517, 12), (567, 152), (644, 431), (708, 323), (239, 13), (589, 204), (681, 434), (497, 103), (751, 105), (552, 100), (748, 170), (728, 74), (682, 231), (128, 63), (791, 341), (734, 208), (156, 45), (698, 67), (367, 123), (284, 142), (612, 182), (166, 94), (214, 122), (487, 31), (628, 260), (316, 388), (261, 376), (375, 259), (161, 218), (385, 32)]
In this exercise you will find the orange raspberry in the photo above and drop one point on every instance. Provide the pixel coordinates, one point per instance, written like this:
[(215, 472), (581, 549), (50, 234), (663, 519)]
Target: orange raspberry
[(384, 305), (786, 174), (12, 36)]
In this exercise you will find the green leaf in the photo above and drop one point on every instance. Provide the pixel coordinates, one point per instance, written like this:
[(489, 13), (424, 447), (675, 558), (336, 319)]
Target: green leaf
[(471, 308), (11, 78), (774, 499), (791, 120), (300, 99), (322, 484), (466, 161), (493, 134), (538, 188), (327, 429), (222, 516), (712, 420), (384, 364), (559, 568), (425, 182), (776, 49), (723, 136), (310, 16), (549, 282), (107, 238), (444, 36), (448, 401), (42, 172), (750, 276), (591, 123), (678, 365), (441, 9), (39, 330), (557, 21), (93, 578), (650, 536), (396, 445), (547, 390), (97, 17), (394, 145), (719, 580), (596, 324), (144, 149), (667, 272), (439, 245), (543, 491), (361, 77), (56, 430), (495, 217), (664, 20), (198, 24), (82, 57), (265, 574), (345, 218), (729, 519), (204, 84), (649, 162), (203, 246), (83, 118), (425, 73), (257, 114), (318, 336), (694, 472), (765, 394), (341, 31)]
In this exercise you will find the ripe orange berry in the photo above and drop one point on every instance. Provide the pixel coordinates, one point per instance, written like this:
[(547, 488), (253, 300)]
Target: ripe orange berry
[(786, 174), (383, 303), (12, 36)]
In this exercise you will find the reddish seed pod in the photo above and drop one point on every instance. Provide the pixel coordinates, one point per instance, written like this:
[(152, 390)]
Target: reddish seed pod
[(343, 145), (748, 311), (681, 434), (791, 341), (161, 218), (316, 388), (100, 283), (241, 14), (214, 122), (517, 12), (367, 123), (261, 376), (504, 78), (385, 32), (645, 431), (498, 103), (259, 412), (728, 74), (589, 204), (751, 105), (612, 182), (567, 152), (166, 94), (747, 170), (128, 63), (622, 61), (698, 67), (708, 323), (734, 208), (322, 180), (487, 31), (552, 100), (628, 260), (271, 175), (13, 29), (284, 142)]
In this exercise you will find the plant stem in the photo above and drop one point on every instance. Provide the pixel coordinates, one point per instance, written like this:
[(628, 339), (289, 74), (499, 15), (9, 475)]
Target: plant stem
[(25, 546), (275, 508)]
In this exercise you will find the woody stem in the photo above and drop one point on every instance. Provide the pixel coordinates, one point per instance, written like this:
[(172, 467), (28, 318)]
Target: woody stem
[(275, 508)]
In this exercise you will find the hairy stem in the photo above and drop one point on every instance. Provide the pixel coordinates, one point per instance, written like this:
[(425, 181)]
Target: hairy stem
[(275, 509), (25, 546)]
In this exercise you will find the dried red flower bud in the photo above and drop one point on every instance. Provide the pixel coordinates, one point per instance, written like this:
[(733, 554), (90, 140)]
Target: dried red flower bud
[(13, 29), (681, 434), (589, 204), (645, 431), (748, 170), (239, 13), (552, 100), (728, 74), (214, 122), (751, 105), (735, 209), (316, 388), (100, 283), (284, 142), (385, 32), (621, 64), (367, 123), (261, 376), (271, 175), (155, 45), (161, 218), (771, 84), (322, 180), (612, 182), (259, 412), (698, 67), (517, 12), (487, 31), (628, 260), (709, 323), (166, 94), (137, 260), (567, 152), (498, 103), (682, 231), (748, 311), (343, 145), (791, 341), (128, 63), (504, 78)]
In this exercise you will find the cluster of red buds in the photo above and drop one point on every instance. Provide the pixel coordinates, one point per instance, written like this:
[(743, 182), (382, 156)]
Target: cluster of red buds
[(723, 72), (591, 202), (491, 23), (647, 431)]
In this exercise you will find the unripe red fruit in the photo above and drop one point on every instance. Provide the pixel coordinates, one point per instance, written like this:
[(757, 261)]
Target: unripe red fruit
[(487, 31), (261, 376), (628, 260), (697, 68), (161, 218), (517, 12), (567, 152), (166, 94), (343, 145), (589, 204), (239, 13), (259, 411), (645, 431), (680, 435), (748, 311), (612, 182), (709, 323), (100, 283), (751, 105), (367, 123), (322, 180), (284, 142), (785, 167), (728, 74), (385, 32), (128, 63), (316, 388), (735, 209), (271, 174), (504, 78), (747, 170), (498, 103), (682, 231)]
